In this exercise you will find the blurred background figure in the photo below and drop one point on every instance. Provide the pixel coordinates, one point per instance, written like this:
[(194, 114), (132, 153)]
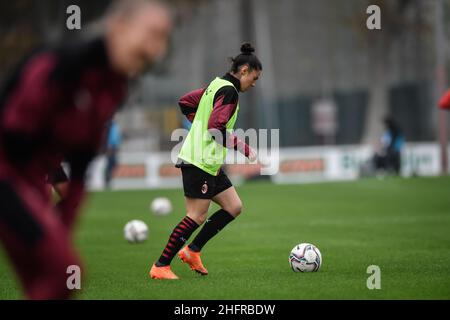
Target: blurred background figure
[(186, 124), (388, 158), (444, 102), (112, 148)]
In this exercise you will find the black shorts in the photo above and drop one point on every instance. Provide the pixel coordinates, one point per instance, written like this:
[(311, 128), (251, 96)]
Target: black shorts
[(199, 184)]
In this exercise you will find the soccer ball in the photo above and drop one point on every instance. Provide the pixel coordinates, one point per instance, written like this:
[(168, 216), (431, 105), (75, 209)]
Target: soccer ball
[(161, 206), (135, 231), (305, 257)]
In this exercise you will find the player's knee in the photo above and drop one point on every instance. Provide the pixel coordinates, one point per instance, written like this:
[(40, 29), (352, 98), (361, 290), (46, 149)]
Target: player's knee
[(238, 209), (202, 219), (235, 209)]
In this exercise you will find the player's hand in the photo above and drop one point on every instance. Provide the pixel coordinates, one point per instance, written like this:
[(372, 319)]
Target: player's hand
[(264, 160), (252, 155)]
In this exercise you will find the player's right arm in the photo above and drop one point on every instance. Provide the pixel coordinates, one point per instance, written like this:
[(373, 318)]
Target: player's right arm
[(27, 108), (189, 103)]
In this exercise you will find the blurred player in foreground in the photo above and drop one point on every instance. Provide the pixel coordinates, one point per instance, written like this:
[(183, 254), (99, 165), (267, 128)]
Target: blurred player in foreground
[(213, 112), (55, 107)]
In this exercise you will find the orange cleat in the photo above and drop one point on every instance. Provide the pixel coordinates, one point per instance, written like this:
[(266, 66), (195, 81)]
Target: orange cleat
[(192, 258), (162, 273)]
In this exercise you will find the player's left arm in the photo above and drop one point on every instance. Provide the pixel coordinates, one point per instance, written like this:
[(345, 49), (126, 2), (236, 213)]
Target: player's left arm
[(225, 104), (76, 191)]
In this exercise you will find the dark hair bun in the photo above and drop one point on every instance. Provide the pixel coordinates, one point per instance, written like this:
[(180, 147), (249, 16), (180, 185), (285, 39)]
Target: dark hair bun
[(247, 48), (246, 57)]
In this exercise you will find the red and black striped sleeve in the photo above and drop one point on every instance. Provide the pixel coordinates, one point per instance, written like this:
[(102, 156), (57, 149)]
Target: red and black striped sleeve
[(189, 103)]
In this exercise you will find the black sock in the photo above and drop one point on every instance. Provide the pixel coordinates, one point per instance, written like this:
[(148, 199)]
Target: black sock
[(213, 225), (177, 239)]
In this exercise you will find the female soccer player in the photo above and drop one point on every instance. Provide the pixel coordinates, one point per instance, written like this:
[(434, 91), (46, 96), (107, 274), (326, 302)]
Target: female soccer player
[(213, 111)]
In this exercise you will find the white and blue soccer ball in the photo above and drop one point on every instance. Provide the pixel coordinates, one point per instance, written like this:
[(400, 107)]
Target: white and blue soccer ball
[(135, 231), (305, 257), (161, 206)]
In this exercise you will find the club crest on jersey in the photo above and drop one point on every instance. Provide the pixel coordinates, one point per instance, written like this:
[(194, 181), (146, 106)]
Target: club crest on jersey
[(204, 188)]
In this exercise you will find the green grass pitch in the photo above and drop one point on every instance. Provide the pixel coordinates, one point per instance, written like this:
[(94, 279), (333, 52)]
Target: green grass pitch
[(401, 225)]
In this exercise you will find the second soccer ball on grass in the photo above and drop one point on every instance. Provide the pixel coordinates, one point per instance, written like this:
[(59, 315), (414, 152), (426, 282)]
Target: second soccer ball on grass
[(161, 206), (135, 231)]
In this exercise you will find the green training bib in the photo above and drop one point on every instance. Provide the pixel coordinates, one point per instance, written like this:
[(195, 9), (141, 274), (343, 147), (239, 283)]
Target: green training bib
[(200, 148)]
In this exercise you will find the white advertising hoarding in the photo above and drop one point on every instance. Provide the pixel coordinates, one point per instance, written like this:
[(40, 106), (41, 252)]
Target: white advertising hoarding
[(296, 165)]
